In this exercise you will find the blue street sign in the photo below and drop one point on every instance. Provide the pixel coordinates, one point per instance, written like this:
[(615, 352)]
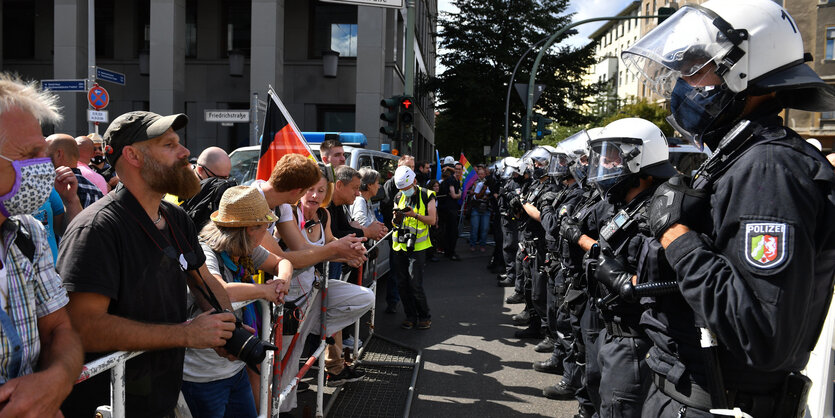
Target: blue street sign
[(109, 75), (64, 85)]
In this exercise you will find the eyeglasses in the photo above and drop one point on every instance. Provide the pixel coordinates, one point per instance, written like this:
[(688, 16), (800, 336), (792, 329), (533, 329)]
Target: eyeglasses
[(211, 173)]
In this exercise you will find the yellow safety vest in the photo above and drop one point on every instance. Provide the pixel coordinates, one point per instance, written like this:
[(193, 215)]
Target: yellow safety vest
[(420, 229)]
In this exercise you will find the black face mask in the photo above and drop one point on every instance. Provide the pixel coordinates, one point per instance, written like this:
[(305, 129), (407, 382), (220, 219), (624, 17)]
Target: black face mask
[(704, 115), (98, 159), (539, 172)]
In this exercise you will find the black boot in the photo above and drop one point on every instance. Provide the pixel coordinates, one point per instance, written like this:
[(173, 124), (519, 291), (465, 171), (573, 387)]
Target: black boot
[(546, 345), (561, 391), (522, 318), (515, 298), (532, 331), (553, 365)]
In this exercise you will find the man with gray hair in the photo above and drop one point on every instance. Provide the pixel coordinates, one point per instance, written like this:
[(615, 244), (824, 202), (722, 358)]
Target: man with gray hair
[(41, 336)]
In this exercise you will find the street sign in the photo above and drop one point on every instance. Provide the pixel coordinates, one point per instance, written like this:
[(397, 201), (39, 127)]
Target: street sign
[(395, 4), (110, 75), (98, 97), (97, 116), (64, 85), (226, 116), (522, 89)]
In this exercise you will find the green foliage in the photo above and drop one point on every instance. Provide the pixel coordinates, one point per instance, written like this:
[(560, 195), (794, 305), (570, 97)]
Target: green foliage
[(645, 110), (480, 46)]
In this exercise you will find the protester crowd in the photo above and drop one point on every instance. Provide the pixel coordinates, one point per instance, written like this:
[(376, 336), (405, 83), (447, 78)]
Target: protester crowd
[(657, 293)]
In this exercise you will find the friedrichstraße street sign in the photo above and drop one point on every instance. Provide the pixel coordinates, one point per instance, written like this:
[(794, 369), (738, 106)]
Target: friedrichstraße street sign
[(97, 116), (226, 116), (64, 85), (396, 4), (110, 75)]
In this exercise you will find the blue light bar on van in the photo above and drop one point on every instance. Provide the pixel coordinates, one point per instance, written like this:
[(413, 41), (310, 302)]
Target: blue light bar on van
[(354, 139)]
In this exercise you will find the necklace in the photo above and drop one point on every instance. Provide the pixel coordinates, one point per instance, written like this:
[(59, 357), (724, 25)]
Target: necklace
[(159, 218)]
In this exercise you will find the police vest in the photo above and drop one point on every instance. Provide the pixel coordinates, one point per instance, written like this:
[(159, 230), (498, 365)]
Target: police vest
[(420, 229)]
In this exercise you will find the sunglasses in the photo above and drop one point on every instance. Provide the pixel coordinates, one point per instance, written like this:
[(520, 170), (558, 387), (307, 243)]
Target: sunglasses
[(211, 173)]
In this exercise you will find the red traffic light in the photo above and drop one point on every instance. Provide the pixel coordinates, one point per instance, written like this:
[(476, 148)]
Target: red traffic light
[(406, 103)]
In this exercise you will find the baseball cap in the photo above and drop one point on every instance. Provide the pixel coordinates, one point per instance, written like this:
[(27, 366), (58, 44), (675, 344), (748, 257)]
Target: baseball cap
[(138, 126), (404, 177)]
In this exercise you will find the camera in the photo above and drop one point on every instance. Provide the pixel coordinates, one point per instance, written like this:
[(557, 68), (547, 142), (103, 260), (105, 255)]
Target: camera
[(408, 238), (246, 346), (404, 210)]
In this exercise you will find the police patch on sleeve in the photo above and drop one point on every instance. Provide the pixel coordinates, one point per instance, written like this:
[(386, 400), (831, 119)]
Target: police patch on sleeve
[(766, 244)]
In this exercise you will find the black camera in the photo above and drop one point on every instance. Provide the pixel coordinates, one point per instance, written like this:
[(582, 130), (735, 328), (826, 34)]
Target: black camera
[(246, 346), (408, 238), (405, 209)]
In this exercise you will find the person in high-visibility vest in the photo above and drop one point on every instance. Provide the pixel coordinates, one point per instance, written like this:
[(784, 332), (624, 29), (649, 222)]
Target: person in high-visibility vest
[(414, 213)]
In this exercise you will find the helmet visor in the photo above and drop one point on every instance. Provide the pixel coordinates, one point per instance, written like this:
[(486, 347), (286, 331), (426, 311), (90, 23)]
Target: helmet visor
[(559, 165), (575, 146), (680, 46), (606, 162)]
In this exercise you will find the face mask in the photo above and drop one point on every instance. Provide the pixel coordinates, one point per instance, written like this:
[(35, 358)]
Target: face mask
[(579, 171), (34, 179), (409, 192), (539, 172), (98, 159)]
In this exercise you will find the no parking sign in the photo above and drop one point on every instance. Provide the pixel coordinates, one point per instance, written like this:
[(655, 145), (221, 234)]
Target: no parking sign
[(98, 97)]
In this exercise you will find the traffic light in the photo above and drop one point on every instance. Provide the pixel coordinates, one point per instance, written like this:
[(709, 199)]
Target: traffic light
[(664, 13), (391, 116), (542, 126), (406, 115)]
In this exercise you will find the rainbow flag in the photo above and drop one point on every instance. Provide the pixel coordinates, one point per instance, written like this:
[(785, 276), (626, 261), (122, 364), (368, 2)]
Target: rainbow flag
[(469, 178)]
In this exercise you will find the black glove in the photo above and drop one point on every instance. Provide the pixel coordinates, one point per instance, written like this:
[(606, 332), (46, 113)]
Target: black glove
[(675, 202), (515, 204), (612, 274), (570, 229)]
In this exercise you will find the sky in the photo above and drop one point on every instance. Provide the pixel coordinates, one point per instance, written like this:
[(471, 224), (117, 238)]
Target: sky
[(584, 9)]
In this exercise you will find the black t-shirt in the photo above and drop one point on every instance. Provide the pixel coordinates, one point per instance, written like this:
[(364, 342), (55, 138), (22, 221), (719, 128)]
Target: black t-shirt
[(108, 250), (445, 201), (340, 225)]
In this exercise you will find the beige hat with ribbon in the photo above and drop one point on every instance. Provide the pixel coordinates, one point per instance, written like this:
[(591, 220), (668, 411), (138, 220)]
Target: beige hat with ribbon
[(243, 206)]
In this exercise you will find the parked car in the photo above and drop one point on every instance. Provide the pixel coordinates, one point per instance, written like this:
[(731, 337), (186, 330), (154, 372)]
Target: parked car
[(245, 165)]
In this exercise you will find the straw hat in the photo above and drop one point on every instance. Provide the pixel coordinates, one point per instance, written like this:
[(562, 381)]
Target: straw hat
[(243, 206)]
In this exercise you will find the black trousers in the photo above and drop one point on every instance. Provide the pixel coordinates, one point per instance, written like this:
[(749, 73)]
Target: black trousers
[(510, 246), (409, 267), (624, 374), (449, 220), (590, 324)]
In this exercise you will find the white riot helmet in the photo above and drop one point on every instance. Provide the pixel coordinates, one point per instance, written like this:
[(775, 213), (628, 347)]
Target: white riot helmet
[(576, 150), (511, 165), (539, 160), (626, 148), (726, 50)]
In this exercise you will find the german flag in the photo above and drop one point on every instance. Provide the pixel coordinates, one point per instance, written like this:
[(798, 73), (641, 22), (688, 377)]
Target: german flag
[(280, 136)]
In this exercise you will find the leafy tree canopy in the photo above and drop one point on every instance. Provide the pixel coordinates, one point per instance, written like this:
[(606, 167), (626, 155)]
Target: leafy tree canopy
[(645, 110), (479, 47)]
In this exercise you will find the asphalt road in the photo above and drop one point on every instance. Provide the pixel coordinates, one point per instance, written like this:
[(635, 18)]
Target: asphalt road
[(472, 364)]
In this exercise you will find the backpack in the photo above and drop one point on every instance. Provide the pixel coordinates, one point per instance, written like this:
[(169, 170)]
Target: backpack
[(201, 206)]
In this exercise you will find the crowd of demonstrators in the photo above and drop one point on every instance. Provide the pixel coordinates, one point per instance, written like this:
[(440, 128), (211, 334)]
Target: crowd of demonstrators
[(660, 294), (478, 202), (63, 151)]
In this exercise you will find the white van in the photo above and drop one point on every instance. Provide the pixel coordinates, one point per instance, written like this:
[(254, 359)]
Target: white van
[(245, 165)]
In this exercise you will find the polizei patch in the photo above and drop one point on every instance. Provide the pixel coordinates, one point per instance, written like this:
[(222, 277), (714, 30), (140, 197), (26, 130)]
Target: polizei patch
[(765, 244)]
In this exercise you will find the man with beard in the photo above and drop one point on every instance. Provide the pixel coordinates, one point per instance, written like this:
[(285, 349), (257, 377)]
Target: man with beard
[(126, 262)]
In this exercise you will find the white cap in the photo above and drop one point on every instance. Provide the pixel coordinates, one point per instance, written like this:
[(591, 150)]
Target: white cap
[(449, 160), (815, 143), (404, 177)]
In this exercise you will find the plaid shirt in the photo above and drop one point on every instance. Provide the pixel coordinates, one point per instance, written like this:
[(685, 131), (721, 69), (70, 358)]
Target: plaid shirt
[(35, 290), (88, 193)]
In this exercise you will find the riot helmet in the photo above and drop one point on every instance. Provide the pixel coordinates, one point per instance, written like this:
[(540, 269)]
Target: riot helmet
[(575, 148), (510, 167), (707, 59), (624, 151), (539, 160)]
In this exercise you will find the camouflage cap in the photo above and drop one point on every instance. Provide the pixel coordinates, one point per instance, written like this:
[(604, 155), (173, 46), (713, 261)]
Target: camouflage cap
[(138, 126)]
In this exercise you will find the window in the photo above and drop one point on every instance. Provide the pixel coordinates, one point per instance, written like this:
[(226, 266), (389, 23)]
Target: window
[(191, 28), (334, 27), (827, 115), (336, 118), (237, 20), (104, 28), (344, 39), (364, 161), (830, 43), (18, 29), (386, 167)]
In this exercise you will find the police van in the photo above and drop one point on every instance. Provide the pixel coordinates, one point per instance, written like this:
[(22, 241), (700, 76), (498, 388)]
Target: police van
[(245, 165)]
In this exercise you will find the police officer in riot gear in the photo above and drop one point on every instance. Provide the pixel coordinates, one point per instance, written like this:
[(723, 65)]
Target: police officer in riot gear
[(513, 180), (627, 162), (751, 240)]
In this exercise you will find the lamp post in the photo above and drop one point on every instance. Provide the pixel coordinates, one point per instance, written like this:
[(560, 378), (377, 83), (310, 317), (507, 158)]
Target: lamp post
[(509, 88), (551, 39)]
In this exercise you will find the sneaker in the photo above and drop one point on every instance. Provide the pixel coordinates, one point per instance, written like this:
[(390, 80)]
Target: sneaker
[(349, 342), (424, 324), (407, 324), (347, 374)]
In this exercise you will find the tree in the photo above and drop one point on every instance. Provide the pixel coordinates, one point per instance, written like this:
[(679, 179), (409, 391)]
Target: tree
[(644, 110), (480, 46)]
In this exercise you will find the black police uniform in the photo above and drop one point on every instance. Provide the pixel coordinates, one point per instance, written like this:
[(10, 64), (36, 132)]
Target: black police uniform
[(622, 345), (761, 279), (532, 237), (510, 227)]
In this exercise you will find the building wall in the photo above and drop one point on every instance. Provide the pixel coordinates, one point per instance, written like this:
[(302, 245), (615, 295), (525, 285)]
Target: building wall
[(192, 77)]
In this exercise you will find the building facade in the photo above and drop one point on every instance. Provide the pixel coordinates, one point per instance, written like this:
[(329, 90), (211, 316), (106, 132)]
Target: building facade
[(190, 56)]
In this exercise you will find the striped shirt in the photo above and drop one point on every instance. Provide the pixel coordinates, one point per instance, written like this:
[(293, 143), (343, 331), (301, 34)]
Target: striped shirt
[(34, 291), (88, 193)]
